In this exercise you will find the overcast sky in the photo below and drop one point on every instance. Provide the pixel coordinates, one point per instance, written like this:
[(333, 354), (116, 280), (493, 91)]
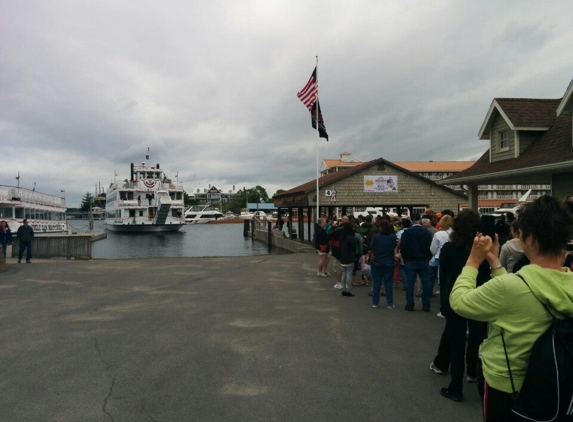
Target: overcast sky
[(210, 86)]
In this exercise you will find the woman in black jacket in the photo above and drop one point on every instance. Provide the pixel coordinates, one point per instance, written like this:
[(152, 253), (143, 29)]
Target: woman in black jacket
[(453, 257)]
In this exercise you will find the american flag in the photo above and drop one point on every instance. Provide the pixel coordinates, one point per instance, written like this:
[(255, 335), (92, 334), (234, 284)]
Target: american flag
[(310, 91), (309, 97)]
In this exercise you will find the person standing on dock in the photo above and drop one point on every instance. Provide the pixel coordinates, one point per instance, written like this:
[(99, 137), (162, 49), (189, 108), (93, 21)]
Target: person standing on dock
[(5, 236), (25, 235)]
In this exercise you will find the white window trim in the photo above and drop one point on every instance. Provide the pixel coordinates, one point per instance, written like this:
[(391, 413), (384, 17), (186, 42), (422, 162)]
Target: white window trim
[(499, 148)]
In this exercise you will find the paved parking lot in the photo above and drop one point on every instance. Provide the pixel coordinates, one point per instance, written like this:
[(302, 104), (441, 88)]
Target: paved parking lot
[(212, 339)]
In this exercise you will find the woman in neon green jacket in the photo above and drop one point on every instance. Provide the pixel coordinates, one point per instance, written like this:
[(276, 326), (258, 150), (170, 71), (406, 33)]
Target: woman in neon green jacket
[(509, 305)]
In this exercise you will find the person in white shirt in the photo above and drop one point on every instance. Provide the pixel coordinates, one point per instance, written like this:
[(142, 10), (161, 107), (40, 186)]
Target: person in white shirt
[(512, 250)]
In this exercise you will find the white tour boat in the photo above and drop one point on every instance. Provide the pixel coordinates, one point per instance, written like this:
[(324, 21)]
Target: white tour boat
[(246, 215), (147, 202), (202, 214), (45, 213)]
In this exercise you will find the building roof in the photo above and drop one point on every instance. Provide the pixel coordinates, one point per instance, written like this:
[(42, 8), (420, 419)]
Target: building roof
[(552, 151), (521, 113), (435, 166), (331, 162), (336, 176)]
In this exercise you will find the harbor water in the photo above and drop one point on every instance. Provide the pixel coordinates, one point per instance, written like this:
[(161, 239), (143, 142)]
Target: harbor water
[(193, 240)]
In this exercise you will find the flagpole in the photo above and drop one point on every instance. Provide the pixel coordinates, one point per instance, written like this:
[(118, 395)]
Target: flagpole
[(317, 139)]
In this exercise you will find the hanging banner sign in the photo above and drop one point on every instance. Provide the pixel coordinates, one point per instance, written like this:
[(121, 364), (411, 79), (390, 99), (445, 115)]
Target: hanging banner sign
[(380, 184)]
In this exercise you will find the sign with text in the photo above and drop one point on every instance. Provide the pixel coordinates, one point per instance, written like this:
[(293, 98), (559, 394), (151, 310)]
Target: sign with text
[(381, 184)]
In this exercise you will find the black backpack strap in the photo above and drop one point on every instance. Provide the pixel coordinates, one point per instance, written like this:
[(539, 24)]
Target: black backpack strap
[(508, 367), (503, 340)]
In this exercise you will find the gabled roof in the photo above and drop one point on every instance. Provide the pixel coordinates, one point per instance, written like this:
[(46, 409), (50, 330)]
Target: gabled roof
[(435, 166), (566, 101), (310, 186), (521, 114), (552, 151)]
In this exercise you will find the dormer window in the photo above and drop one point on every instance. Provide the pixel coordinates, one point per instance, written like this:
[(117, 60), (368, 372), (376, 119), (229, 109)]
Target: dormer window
[(503, 140)]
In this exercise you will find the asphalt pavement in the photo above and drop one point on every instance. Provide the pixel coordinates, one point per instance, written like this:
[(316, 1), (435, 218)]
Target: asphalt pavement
[(257, 338)]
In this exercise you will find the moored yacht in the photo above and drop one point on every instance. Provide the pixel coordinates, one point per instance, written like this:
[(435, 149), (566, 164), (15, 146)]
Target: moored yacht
[(202, 214), (147, 202)]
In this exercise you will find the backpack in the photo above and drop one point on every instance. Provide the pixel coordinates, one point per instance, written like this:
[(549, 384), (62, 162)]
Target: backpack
[(547, 391)]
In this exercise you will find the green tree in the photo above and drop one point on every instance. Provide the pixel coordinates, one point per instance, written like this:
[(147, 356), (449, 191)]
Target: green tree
[(86, 202), (257, 194), (278, 192)]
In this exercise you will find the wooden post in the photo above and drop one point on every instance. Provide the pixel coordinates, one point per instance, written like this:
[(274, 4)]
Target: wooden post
[(308, 220), (246, 228), (300, 224), (269, 234)]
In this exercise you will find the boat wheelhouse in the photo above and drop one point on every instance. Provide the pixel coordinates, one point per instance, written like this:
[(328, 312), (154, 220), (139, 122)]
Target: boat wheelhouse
[(147, 202), (45, 213)]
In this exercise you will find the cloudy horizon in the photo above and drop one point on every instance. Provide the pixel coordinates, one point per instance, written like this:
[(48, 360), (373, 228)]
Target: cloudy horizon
[(210, 86)]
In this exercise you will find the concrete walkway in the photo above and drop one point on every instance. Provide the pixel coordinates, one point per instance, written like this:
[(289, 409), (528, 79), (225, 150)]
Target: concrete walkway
[(212, 339)]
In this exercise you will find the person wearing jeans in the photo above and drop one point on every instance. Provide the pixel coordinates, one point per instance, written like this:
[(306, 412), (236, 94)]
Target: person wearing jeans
[(347, 257), (415, 250), (384, 245)]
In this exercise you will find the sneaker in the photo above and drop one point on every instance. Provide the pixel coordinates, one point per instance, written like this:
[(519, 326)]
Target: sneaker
[(28, 262), (390, 307), (320, 275), (344, 293), (439, 314), (338, 286), (327, 274), (374, 306), (426, 309), (409, 308), (437, 292), (470, 379), (435, 369), (452, 395), (19, 261), (349, 294)]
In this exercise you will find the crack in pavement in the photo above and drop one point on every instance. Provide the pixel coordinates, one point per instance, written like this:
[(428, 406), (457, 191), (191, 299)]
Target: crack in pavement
[(107, 366)]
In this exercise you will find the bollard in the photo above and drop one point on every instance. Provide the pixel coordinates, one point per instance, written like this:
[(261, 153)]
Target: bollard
[(246, 228)]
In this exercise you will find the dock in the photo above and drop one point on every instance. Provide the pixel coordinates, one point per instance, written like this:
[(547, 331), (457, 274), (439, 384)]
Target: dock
[(69, 246)]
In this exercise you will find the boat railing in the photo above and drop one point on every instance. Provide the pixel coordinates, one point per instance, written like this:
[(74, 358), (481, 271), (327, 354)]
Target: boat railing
[(260, 223), (128, 184), (12, 193)]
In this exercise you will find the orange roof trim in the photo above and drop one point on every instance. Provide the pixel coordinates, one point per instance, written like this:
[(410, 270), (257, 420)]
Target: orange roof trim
[(435, 166)]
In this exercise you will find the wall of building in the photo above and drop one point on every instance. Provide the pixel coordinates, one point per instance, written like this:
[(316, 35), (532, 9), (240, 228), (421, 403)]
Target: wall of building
[(562, 184), (412, 191)]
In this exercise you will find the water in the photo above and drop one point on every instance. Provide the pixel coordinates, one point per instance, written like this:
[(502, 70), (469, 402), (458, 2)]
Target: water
[(194, 240)]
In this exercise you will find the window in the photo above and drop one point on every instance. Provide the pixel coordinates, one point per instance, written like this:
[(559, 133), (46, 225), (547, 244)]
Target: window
[(503, 140)]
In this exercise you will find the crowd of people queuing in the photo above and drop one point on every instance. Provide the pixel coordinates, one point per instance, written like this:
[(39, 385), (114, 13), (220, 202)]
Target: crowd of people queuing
[(482, 295)]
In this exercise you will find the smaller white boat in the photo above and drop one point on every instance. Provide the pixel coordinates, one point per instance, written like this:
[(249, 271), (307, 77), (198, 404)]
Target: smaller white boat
[(202, 215), (512, 207), (250, 215)]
